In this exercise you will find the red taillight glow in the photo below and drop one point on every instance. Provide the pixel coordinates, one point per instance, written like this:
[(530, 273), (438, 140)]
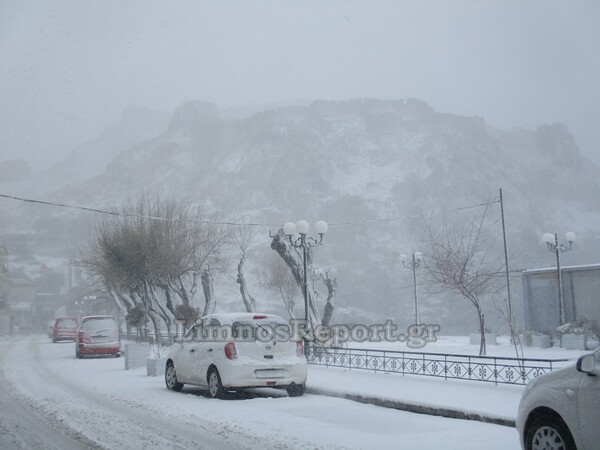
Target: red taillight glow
[(231, 350), (81, 337), (299, 348), (256, 317)]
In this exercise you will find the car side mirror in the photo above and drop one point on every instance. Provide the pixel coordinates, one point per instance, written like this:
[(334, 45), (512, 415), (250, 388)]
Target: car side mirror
[(587, 364)]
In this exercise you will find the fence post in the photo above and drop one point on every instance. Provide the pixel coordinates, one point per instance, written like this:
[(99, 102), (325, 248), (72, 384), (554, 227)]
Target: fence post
[(470, 370), (495, 371), (445, 367), (403, 364)]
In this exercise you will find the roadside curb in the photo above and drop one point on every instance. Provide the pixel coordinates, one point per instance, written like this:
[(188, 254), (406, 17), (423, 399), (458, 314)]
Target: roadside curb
[(414, 408)]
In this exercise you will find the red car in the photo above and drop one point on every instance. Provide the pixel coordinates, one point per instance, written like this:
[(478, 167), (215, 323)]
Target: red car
[(98, 335), (65, 329)]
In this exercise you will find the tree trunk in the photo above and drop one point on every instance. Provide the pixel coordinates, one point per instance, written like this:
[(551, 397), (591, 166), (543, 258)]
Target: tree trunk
[(155, 323), (331, 284), (289, 303), (165, 316), (207, 288), (482, 347), (178, 287), (249, 301), (169, 298), (294, 261), (123, 304)]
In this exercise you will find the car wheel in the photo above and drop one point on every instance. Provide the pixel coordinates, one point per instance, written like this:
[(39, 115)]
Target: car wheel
[(215, 387), (548, 432), (295, 390), (171, 378)]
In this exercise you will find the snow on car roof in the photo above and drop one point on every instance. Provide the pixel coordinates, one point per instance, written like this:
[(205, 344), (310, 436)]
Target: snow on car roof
[(230, 318)]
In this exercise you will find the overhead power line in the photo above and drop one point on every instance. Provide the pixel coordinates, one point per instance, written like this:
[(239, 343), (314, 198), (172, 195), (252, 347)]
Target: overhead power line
[(229, 223), (140, 216), (414, 216)]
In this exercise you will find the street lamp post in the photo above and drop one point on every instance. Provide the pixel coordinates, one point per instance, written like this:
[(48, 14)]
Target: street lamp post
[(412, 263), (305, 242), (551, 241), (78, 304)]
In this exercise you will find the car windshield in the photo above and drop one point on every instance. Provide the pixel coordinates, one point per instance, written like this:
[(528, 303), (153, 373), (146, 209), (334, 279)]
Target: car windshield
[(99, 324), (67, 323)]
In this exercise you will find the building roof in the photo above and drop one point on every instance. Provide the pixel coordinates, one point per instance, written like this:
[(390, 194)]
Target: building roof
[(563, 269)]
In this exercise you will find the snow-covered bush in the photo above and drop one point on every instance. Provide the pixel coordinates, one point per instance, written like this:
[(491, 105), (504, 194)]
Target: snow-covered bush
[(581, 326)]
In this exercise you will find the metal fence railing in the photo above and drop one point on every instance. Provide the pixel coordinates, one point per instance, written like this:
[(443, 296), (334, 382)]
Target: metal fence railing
[(490, 369)]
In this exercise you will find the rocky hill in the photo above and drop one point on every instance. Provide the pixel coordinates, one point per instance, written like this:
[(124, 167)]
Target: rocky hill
[(371, 169)]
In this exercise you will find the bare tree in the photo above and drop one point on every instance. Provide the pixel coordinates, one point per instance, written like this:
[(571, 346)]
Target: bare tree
[(457, 262), (293, 259), (273, 275), (153, 254), (207, 287), (186, 244), (243, 237), (331, 284), (504, 313)]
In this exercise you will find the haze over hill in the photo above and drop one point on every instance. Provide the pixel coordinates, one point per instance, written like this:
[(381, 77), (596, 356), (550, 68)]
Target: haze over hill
[(370, 168)]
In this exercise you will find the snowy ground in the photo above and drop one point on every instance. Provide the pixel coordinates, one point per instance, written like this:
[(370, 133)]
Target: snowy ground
[(100, 405), (486, 399), (460, 345)]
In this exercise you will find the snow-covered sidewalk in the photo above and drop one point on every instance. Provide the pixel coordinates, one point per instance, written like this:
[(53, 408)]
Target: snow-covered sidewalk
[(452, 398), (468, 399)]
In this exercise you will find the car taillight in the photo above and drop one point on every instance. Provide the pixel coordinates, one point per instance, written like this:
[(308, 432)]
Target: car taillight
[(299, 349), (259, 316), (82, 338), (231, 351)]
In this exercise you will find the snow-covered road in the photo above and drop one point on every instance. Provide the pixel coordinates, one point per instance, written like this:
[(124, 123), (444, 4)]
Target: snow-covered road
[(95, 403), (23, 426)]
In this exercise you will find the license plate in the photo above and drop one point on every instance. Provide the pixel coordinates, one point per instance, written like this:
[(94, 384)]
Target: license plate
[(271, 373)]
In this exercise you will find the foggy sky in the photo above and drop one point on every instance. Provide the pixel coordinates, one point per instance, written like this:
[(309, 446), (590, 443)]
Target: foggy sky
[(68, 67)]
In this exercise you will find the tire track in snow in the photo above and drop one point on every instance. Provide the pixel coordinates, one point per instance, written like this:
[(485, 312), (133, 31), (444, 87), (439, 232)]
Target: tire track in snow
[(22, 427), (130, 427), (123, 424)]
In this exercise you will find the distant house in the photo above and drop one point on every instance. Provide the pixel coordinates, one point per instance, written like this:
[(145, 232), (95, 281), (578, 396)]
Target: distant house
[(21, 303), (580, 293)]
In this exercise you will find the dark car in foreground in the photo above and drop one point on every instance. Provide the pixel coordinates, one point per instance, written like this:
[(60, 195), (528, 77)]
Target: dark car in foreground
[(98, 335), (561, 410), (65, 329)]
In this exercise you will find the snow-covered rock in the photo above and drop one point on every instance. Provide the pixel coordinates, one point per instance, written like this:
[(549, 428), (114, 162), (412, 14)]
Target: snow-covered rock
[(372, 169)]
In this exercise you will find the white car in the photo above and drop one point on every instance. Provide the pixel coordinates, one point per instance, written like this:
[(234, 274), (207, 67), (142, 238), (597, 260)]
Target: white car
[(227, 352), (561, 410)]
